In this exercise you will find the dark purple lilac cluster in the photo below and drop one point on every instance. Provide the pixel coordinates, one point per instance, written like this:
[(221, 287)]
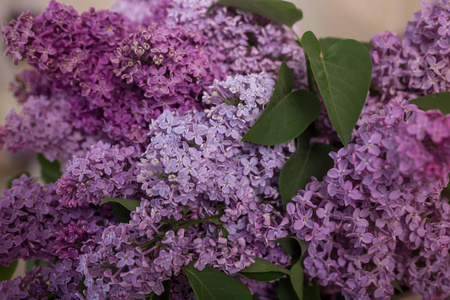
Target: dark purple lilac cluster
[(377, 216), (35, 225), (419, 64), (169, 65), (242, 43)]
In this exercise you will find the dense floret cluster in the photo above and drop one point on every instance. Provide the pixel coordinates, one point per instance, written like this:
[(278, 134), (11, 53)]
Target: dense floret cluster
[(419, 64), (377, 216), (146, 105)]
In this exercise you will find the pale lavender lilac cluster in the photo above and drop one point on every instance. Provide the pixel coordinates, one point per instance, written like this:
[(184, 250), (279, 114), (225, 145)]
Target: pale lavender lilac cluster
[(377, 215), (201, 153), (419, 64), (193, 182)]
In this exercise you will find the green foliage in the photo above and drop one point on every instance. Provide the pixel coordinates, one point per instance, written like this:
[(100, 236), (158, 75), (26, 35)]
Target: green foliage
[(211, 284), (439, 101), (297, 278), (311, 291), (122, 207), (326, 43), (6, 273), (284, 120), (263, 270), (343, 76), (279, 11), (308, 160), (31, 263), (293, 246), (297, 248), (397, 286), (285, 291), (50, 171), (165, 295)]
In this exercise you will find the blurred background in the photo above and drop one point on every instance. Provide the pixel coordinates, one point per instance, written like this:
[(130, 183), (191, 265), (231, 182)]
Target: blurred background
[(357, 19)]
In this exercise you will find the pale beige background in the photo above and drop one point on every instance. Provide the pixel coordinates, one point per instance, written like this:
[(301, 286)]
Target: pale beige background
[(357, 19)]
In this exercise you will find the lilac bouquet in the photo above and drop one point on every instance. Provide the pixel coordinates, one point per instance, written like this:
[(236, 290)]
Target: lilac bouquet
[(202, 150)]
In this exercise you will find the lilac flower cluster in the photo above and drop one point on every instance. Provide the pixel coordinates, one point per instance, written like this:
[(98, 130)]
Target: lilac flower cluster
[(168, 65), (43, 125), (34, 224), (104, 171), (182, 222), (242, 43), (58, 280), (376, 216), (419, 64), (196, 153), (145, 104)]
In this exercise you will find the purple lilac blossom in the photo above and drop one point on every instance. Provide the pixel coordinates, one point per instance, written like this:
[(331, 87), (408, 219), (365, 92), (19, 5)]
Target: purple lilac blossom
[(181, 172), (75, 54), (43, 126), (419, 64), (103, 171), (240, 42), (377, 215), (35, 225)]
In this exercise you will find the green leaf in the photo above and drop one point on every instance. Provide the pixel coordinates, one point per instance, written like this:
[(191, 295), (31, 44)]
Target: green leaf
[(326, 43), (50, 171), (211, 284), (397, 286), (31, 263), (6, 273), (293, 246), (307, 161), (263, 270), (285, 120), (343, 76), (439, 101), (279, 11), (165, 295), (297, 276), (122, 207), (127, 203), (311, 291), (285, 291)]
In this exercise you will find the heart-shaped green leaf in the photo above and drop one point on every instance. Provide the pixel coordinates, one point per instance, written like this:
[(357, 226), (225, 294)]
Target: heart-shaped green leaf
[(439, 101), (284, 120), (307, 161), (293, 246), (343, 76), (297, 275), (50, 170), (326, 43), (127, 203), (122, 207), (263, 270), (6, 273), (311, 291), (279, 11), (211, 284)]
